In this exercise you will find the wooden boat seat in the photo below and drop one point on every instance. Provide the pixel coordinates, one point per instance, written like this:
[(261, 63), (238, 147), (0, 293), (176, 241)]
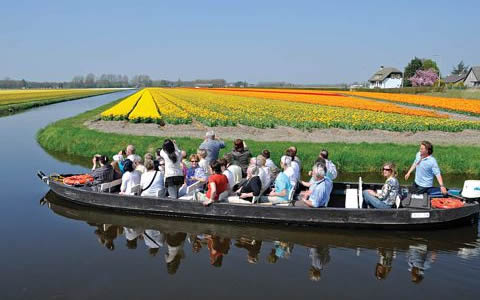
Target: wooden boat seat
[(351, 198), (291, 199), (107, 186), (237, 200), (354, 197), (192, 188)]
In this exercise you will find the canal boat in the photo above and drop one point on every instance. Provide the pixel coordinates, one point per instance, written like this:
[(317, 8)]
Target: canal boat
[(339, 213)]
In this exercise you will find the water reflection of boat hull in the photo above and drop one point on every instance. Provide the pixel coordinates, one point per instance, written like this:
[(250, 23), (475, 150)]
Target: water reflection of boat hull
[(404, 218), (443, 240)]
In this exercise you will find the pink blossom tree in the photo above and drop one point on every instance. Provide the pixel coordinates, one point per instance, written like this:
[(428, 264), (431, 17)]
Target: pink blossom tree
[(424, 78)]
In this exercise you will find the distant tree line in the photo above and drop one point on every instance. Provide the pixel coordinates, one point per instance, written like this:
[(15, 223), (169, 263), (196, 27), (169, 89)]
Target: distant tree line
[(113, 81)]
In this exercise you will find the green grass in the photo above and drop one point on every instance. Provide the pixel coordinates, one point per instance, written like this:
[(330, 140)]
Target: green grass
[(463, 94), (72, 137), (8, 109)]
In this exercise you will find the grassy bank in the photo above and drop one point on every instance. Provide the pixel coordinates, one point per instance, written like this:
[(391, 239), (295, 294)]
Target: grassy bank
[(8, 109), (72, 137)]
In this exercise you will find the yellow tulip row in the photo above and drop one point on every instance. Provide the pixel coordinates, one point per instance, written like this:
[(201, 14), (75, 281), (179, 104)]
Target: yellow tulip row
[(170, 111), (145, 110), (121, 110), (196, 108)]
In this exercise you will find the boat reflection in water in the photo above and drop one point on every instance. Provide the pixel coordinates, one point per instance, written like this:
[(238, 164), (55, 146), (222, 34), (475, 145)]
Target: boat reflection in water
[(170, 236)]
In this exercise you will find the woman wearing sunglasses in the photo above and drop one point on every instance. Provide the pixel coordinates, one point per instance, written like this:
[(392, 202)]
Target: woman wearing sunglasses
[(387, 196), (194, 173)]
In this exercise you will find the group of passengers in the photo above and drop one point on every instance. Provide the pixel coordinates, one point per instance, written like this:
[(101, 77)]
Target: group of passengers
[(240, 177)]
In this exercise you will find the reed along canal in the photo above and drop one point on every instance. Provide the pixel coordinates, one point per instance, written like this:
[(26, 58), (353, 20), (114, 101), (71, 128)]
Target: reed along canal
[(51, 249)]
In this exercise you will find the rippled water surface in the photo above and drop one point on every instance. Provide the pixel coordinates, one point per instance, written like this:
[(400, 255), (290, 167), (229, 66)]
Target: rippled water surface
[(51, 249)]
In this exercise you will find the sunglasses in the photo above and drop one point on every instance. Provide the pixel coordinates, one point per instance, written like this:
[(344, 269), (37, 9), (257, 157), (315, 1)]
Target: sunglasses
[(194, 161), (387, 169)]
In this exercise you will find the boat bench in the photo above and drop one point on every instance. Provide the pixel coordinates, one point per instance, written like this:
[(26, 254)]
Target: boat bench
[(354, 197), (256, 200), (107, 187)]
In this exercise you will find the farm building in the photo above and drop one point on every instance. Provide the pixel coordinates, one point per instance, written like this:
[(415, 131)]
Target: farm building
[(473, 77), (386, 78), (455, 79)]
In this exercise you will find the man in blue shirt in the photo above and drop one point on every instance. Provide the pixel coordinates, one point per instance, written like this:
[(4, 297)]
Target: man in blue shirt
[(212, 145), (426, 167), (320, 188)]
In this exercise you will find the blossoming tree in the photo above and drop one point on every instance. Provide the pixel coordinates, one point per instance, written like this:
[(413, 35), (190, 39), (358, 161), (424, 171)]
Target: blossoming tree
[(424, 78)]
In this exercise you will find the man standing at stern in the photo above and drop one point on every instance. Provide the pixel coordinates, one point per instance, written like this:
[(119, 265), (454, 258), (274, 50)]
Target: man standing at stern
[(426, 167)]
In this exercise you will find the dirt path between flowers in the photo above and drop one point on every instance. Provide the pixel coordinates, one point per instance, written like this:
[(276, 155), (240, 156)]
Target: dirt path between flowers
[(197, 130)]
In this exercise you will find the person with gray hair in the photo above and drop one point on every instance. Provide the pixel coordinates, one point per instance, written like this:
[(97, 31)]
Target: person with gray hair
[(213, 145), (252, 186), (203, 163), (281, 190), (286, 164), (320, 189)]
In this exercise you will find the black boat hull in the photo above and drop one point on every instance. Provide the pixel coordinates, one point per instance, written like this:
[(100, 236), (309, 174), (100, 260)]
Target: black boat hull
[(403, 218)]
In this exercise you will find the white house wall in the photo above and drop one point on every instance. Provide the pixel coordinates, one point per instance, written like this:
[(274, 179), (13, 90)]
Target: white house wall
[(469, 81), (388, 83)]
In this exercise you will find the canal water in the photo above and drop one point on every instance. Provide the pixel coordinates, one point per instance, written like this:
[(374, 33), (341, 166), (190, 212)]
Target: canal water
[(51, 249)]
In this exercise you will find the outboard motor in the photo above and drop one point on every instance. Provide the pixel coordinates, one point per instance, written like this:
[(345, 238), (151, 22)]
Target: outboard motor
[(471, 190)]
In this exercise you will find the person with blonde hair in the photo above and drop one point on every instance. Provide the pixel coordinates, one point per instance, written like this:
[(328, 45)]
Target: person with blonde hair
[(264, 171), (152, 180), (387, 196)]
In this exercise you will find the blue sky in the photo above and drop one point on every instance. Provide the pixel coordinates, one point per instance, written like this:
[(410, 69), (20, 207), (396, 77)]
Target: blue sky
[(294, 41)]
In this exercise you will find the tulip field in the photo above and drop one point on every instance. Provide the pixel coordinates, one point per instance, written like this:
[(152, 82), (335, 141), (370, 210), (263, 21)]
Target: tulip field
[(460, 105), (12, 101), (11, 97), (264, 108)]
